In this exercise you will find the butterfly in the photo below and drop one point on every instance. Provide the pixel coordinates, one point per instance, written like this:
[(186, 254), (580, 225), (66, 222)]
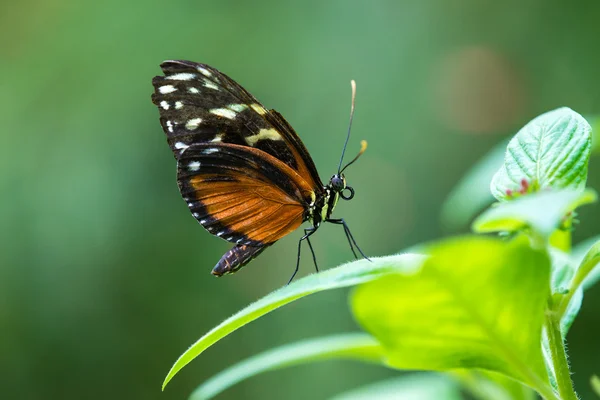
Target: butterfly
[(243, 171)]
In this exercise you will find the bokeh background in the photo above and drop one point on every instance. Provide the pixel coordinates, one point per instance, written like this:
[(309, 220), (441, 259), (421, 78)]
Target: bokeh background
[(104, 274)]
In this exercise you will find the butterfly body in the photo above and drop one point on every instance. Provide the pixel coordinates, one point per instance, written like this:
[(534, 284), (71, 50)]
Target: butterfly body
[(242, 170)]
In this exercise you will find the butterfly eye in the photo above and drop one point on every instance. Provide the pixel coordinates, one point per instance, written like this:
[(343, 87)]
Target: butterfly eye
[(347, 196), (337, 183)]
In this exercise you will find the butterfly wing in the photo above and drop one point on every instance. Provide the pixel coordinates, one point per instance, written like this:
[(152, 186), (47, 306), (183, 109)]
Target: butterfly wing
[(199, 104), (241, 194)]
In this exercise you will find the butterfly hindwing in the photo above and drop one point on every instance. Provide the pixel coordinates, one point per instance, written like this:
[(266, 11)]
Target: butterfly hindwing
[(199, 104), (241, 194)]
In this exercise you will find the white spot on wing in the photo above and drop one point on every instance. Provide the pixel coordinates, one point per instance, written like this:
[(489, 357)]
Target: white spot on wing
[(178, 105), (202, 221), (218, 138), (210, 85), (263, 134), (166, 89), (193, 123), (204, 71), (237, 107), (184, 76), (219, 234), (193, 90), (169, 126), (259, 109), (210, 151), (164, 105), (181, 146), (194, 166), (223, 112)]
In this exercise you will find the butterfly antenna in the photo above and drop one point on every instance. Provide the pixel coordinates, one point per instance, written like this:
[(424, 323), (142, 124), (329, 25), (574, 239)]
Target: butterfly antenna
[(363, 147), (353, 84)]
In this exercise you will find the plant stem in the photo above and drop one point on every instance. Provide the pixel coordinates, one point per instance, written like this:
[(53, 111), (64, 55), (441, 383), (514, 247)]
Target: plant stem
[(559, 359)]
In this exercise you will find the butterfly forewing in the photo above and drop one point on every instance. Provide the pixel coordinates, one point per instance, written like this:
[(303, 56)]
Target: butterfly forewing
[(199, 104)]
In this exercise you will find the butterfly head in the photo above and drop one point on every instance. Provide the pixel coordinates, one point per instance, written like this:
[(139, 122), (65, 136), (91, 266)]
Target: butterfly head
[(337, 184)]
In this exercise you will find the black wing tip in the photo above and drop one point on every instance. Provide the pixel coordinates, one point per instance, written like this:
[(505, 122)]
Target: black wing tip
[(168, 63), (170, 66)]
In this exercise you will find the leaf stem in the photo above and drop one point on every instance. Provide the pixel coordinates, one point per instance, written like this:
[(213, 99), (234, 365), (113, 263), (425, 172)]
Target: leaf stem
[(559, 358)]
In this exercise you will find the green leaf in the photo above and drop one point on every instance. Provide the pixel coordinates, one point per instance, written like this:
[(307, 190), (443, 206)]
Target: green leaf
[(570, 313), (567, 306), (346, 275), (595, 123), (418, 386), (551, 151), (563, 271), (488, 385), (595, 383), (580, 249), (586, 249), (589, 268), (471, 194), (476, 303), (542, 212), (357, 346)]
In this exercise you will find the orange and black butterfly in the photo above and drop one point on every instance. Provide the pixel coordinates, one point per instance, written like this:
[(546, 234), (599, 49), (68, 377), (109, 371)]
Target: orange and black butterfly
[(242, 170)]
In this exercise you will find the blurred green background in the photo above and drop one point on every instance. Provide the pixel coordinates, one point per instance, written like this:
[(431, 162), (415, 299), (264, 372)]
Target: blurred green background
[(104, 274)]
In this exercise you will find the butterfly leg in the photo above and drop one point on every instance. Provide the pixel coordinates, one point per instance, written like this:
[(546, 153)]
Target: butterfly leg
[(349, 236), (307, 230), (307, 233)]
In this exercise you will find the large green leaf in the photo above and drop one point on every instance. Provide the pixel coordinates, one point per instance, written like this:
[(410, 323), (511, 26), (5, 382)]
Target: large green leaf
[(419, 386), (551, 151), (357, 346), (543, 212), (488, 385), (476, 303), (346, 275)]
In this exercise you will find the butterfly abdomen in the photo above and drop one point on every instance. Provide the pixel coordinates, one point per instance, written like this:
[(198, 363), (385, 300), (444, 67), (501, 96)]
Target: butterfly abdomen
[(236, 258)]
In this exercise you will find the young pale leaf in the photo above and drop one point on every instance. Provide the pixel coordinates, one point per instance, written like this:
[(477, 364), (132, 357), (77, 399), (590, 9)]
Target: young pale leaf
[(476, 303), (542, 212), (357, 346), (418, 386), (346, 275), (551, 151)]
